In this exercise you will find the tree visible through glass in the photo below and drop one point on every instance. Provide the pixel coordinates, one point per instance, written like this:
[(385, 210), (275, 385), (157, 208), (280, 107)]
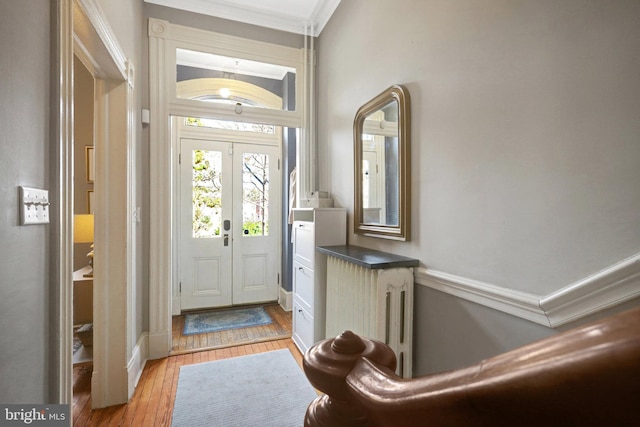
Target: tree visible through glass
[(207, 193), (255, 194)]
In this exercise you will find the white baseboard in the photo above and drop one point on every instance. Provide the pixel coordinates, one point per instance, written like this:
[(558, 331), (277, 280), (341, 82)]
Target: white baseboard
[(285, 299), (136, 364), (612, 286)]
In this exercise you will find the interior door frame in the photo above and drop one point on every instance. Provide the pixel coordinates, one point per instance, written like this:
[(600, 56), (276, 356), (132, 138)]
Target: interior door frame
[(82, 29)]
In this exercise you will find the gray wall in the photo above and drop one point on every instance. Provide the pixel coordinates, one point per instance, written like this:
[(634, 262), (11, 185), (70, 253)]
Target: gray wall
[(28, 289), (24, 160), (525, 152)]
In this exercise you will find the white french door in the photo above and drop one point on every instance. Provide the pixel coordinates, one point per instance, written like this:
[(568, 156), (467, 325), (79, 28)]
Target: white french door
[(230, 211), (257, 216)]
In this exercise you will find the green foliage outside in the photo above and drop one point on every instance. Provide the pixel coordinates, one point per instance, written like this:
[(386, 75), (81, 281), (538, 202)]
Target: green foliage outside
[(255, 228), (207, 202), (207, 193)]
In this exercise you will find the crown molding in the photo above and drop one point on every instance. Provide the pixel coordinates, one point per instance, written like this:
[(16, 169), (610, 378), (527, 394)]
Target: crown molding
[(322, 13), (256, 16), (614, 285)]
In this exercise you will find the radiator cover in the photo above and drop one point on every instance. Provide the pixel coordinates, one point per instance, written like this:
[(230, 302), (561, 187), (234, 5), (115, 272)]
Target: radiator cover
[(374, 303)]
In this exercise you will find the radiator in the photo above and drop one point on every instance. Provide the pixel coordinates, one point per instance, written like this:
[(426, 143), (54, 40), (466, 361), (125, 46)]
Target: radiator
[(373, 303)]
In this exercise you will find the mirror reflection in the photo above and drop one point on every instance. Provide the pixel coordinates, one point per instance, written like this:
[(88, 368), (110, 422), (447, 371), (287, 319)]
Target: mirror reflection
[(380, 166), (381, 133)]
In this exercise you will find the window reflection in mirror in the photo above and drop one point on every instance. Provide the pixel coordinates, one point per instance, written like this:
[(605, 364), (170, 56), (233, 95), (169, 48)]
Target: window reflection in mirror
[(381, 131)]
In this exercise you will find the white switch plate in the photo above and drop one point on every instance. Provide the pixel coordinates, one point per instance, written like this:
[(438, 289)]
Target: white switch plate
[(34, 206)]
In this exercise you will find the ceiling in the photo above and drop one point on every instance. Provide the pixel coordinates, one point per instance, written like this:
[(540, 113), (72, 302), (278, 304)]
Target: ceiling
[(286, 15)]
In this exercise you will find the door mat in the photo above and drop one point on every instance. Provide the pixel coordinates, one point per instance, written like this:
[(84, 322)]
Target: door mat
[(235, 318)]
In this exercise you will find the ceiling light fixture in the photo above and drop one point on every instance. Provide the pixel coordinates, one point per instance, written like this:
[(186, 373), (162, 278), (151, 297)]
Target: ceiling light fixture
[(225, 92)]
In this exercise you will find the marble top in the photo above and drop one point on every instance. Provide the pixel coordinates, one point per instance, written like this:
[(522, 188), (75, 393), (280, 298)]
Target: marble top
[(368, 258)]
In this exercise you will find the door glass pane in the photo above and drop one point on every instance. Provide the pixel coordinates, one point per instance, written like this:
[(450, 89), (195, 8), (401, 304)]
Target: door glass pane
[(230, 125), (255, 194), (207, 193), (222, 79)]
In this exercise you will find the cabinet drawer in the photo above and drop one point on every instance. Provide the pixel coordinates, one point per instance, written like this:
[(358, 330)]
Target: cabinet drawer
[(303, 285), (302, 327), (304, 242)]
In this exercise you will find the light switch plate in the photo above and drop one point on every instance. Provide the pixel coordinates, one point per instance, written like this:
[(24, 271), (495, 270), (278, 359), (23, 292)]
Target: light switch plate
[(34, 206)]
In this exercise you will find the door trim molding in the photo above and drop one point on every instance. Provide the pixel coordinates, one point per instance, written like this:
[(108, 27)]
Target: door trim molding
[(62, 258), (83, 28), (164, 37)]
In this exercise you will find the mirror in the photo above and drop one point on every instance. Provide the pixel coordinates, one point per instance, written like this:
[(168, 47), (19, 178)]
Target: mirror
[(382, 166)]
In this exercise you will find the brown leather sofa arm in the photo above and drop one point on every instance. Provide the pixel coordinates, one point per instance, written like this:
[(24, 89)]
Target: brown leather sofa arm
[(583, 377)]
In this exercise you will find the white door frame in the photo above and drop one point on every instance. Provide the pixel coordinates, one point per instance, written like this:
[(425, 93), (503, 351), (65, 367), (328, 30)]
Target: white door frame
[(83, 29), (164, 37)]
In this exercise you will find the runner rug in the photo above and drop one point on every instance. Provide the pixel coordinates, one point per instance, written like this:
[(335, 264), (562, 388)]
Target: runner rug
[(265, 389), (220, 320)]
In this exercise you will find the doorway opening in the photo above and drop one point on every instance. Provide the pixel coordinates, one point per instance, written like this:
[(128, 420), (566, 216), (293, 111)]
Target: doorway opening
[(229, 195), (83, 31), (229, 220), (83, 206), (208, 76)]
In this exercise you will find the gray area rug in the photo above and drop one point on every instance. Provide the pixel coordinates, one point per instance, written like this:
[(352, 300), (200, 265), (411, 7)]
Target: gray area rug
[(266, 389), (220, 320)]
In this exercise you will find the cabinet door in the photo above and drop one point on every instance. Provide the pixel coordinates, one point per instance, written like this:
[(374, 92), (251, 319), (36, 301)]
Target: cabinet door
[(302, 327), (303, 285), (304, 242)]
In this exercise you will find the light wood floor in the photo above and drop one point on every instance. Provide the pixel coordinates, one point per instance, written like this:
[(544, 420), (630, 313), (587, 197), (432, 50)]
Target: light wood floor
[(279, 328), (152, 401)]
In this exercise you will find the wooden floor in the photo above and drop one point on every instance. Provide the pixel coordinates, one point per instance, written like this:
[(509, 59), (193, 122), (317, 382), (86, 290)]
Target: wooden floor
[(279, 328), (152, 401)]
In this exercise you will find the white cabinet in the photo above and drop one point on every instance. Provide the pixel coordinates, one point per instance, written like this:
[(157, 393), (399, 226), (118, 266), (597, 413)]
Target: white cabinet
[(313, 227)]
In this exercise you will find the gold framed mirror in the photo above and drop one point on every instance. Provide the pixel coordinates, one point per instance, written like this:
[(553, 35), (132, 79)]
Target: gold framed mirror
[(382, 196)]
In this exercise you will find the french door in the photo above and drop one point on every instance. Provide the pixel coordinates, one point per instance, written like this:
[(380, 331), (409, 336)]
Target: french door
[(230, 212)]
